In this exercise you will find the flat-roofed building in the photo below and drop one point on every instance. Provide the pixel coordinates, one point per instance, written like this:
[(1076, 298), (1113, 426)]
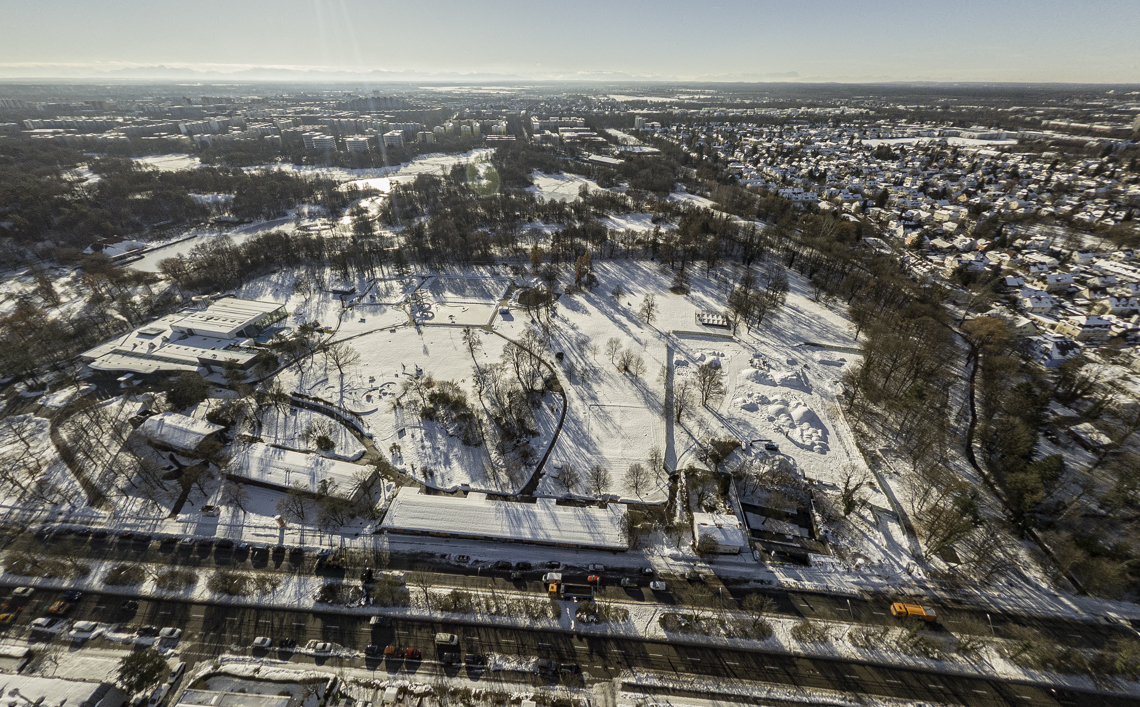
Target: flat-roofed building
[(210, 338)]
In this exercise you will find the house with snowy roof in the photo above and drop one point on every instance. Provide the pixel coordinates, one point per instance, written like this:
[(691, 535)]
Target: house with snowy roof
[(178, 433), (1085, 328), (1050, 350)]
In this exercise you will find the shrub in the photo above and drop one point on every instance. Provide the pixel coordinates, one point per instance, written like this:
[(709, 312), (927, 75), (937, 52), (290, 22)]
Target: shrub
[(175, 580), (28, 565), (124, 575), (234, 584), (868, 637), (592, 612), (808, 632), (389, 592)]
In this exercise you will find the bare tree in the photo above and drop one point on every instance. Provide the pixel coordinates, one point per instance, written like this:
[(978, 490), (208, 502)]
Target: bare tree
[(342, 355), (636, 478), (684, 397), (613, 346), (234, 494), (853, 481), (618, 292), (293, 505), (473, 343), (598, 479), (710, 381), (648, 311), (568, 477), (656, 460)]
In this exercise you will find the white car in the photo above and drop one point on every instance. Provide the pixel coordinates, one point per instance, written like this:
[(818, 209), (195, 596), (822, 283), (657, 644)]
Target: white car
[(596, 568), (263, 642), (169, 633), (45, 623), (23, 592), (657, 586), (319, 647), (82, 630)]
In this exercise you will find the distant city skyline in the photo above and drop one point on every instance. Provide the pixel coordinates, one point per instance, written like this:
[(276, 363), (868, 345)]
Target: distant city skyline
[(730, 40)]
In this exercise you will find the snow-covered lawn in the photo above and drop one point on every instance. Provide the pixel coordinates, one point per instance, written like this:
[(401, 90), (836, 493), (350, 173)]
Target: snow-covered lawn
[(288, 429), (560, 187), (174, 162)]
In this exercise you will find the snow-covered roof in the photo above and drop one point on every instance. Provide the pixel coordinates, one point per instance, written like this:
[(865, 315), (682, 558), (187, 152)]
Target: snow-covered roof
[(226, 317), (176, 430), (724, 529), (476, 516), (282, 468), (56, 691)]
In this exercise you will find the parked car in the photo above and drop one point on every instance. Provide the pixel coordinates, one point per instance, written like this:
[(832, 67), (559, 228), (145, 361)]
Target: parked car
[(523, 566), (319, 647), (596, 568), (569, 669), (45, 623), (381, 621), (657, 586), (647, 571), (23, 592), (463, 559), (628, 582), (129, 605), (393, 652), (72, 596), (263, 642), (373, 650), (501, 565), (594, 579), (170, 633), (176, 673), (474, 659), (553, 565), (59, 608), (516, 576), (771, 446), (544, 666), (450, 658), (6, 619), (224, 543), (147, 631), (446, 639), (286, 644), (412, 654)]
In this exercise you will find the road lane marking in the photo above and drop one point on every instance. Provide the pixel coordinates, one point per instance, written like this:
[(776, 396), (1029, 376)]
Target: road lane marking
[(729, 662), (655, 655)]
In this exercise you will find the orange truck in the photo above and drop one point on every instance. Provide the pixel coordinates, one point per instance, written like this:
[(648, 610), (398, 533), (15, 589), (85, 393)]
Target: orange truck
[(913, 611)]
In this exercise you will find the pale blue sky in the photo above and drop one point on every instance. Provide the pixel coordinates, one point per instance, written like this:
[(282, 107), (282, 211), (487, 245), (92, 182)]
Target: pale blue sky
[(887, 40)]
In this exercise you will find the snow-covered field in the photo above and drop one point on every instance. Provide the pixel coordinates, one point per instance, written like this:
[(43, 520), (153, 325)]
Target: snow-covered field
[(560, 187), (173, 162)]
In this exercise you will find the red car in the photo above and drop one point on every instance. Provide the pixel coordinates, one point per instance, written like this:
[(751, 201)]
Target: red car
[(594, 579), (412, 654)]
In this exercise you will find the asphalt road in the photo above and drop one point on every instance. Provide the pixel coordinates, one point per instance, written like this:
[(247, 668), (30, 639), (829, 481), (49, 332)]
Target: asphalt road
[(873, 610), (209, 631)]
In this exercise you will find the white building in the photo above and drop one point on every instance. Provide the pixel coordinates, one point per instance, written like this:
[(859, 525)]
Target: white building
[(724, 531), (394, 138), (169, 430), (543, 522), (356, 144)]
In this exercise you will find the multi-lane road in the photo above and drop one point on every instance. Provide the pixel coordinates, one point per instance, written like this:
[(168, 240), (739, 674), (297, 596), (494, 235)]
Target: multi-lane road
[(209, 631)]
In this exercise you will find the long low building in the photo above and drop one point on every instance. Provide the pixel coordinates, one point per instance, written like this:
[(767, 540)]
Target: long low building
[(543, 522), (282, 469), (200, 338)]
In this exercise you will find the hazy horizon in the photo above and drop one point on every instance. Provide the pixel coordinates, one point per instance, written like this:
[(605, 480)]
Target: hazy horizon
[(734, 40)]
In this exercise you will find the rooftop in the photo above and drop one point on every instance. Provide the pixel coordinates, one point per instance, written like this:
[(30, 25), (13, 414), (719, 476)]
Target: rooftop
[(476, 516)]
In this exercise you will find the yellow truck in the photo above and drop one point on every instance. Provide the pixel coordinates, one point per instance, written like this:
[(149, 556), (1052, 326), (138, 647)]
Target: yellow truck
[(913, 611)]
